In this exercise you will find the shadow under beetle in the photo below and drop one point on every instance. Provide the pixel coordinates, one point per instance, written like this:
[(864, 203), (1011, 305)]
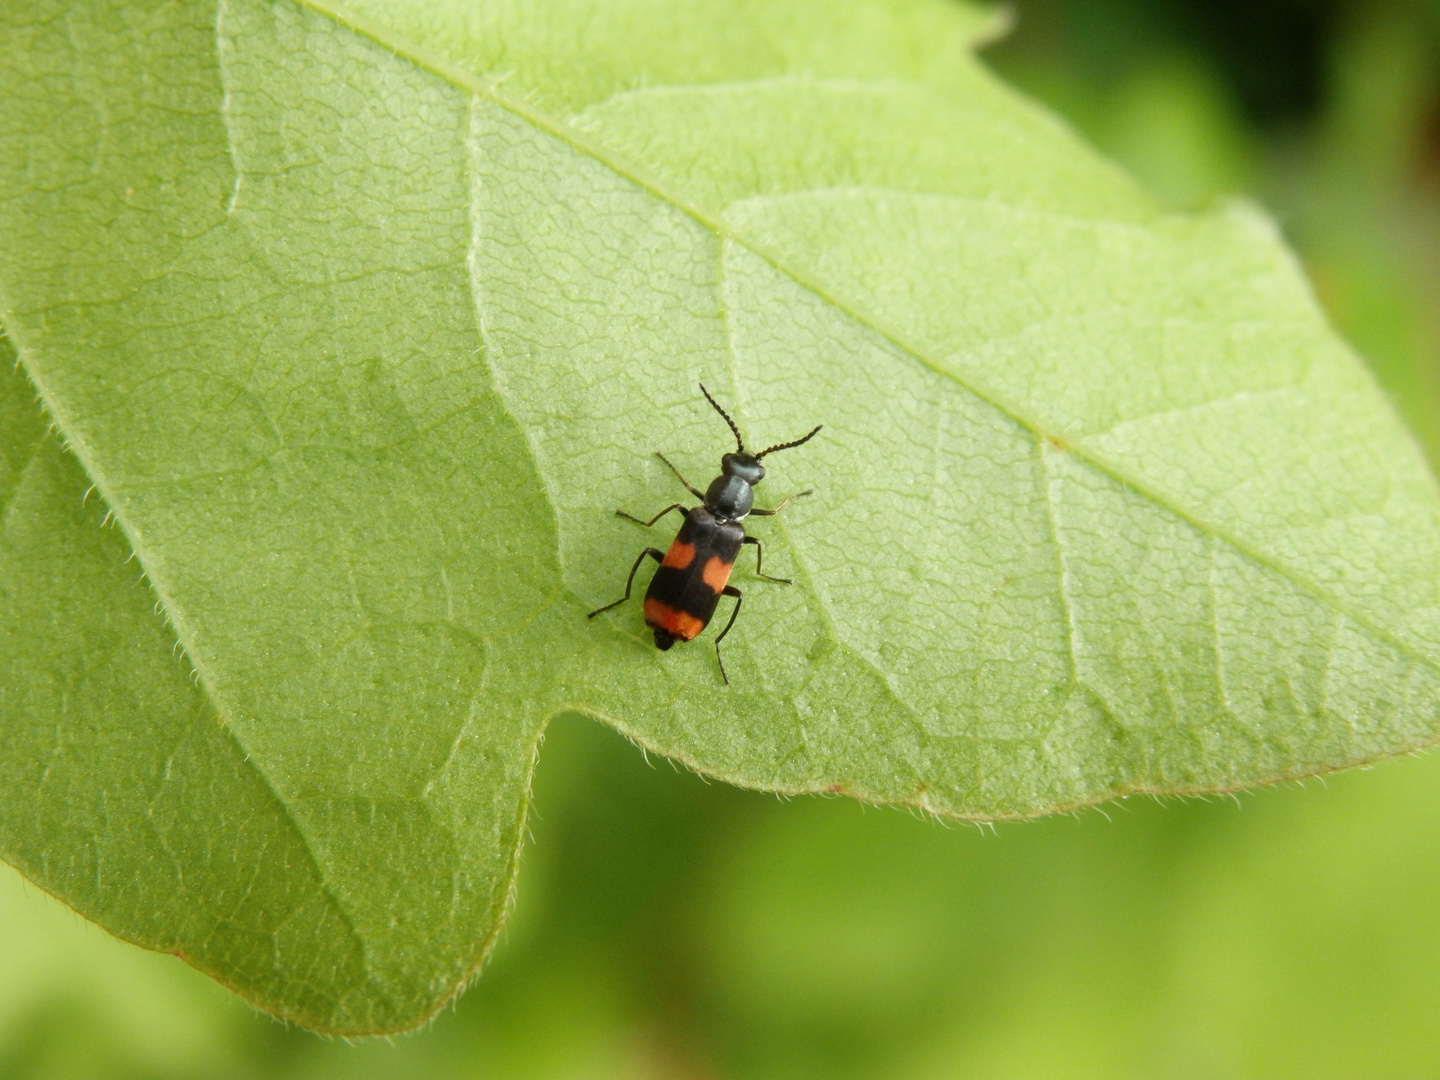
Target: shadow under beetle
[(695, 572)]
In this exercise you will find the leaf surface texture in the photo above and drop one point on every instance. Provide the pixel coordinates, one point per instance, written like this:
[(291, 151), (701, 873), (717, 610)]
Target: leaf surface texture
[(359, 324)]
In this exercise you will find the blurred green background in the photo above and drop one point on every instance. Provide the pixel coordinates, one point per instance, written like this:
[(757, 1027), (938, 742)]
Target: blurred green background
[(670, 928)]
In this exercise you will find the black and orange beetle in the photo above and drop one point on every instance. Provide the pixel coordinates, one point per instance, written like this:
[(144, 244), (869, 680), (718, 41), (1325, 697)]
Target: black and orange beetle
[(695, 572)]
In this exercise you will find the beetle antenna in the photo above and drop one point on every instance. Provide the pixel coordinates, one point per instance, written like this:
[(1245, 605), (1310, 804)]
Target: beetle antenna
[(788, 445), (739, 442)]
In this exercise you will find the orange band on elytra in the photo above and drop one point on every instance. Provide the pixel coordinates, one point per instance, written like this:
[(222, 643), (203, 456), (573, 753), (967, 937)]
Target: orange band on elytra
[(679, 556), (716, 572), (680, 623)]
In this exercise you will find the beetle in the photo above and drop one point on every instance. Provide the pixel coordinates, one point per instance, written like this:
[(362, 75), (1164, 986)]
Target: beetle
[(695, 573)]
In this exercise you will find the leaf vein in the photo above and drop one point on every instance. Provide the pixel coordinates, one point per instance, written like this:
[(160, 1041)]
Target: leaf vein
[(179, 626), (32, 462), (1062, 589), (532, 114)]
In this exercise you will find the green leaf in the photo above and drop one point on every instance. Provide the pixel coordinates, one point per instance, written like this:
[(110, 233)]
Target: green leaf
[(360, 325)]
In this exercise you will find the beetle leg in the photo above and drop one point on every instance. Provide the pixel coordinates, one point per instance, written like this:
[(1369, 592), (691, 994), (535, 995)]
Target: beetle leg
[(758, 549), (688, 486), (657, 517), (629, 581), (729, 590), (783, 503)]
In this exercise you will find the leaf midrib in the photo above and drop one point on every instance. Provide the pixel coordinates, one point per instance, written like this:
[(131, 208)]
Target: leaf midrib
[(463, 79), (445, 69)]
